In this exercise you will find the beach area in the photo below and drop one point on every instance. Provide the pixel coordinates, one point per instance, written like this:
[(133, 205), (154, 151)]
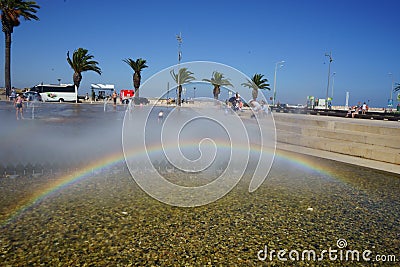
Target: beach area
[(89, 211)]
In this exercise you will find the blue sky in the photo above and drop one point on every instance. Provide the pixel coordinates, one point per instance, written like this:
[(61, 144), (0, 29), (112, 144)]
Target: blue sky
[(250, 36)]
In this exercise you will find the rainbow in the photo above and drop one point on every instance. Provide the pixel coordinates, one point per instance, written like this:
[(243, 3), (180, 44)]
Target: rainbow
[(57, 185), (64, 181)]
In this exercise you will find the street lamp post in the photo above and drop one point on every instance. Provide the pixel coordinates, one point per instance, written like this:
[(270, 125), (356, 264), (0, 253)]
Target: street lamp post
[(194, 93), (280, 64), (167, 93), (179, 39), (390, 104), (329, 77), (333, 83)]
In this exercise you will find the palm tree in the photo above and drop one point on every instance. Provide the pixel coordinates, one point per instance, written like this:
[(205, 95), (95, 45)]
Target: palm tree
[(397, 88), (183, 76), (81, 62), (257, 82), (218, 80), (137, 66), (11, 11)]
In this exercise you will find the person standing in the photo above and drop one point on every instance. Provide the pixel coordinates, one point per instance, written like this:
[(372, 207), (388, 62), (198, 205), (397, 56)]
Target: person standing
[(364, 108), (114, 97), (264, 108), (13, 95), (256, 107), (18, 103)]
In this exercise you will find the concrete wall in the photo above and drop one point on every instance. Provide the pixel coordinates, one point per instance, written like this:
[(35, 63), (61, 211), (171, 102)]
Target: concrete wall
[(376, 140)]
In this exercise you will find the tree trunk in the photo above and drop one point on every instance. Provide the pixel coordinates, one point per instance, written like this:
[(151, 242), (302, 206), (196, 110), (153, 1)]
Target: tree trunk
[(255, 94), (7, 67), (136, 83), (179, 95), (76, 94), (216, 92), (77, 77)]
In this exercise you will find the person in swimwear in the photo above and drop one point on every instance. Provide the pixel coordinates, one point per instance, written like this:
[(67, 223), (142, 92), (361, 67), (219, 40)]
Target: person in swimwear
[(19, 106)]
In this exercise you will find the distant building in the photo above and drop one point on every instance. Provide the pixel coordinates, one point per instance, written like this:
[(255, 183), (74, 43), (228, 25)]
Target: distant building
[(104, 90)]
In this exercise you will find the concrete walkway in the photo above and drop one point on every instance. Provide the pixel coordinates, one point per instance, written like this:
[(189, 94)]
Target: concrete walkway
[(373, 164)]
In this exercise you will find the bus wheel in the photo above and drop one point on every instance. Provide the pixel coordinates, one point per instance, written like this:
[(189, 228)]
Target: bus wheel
[(61, 100)]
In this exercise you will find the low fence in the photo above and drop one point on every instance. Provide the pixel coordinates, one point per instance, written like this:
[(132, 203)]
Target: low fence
[(371, 115), (50, 169)]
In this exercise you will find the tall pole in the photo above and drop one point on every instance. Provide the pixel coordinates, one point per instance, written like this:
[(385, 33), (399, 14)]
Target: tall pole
[(347, 100), (333, 83), (391, 90), (179, 39), (329, 76), (167, 92), (280, 64)]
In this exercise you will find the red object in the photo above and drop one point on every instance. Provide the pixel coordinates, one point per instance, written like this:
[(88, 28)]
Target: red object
[(126, 93)]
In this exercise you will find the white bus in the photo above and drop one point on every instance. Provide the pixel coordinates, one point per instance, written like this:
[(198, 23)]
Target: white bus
[(56, 92)]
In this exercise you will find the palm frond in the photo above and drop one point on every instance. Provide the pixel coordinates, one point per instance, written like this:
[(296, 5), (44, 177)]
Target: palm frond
[(397, 88), (218, 79), (257, 82), (137, 65), (250, 84), (11, 11), (82, 61), (183, 76)]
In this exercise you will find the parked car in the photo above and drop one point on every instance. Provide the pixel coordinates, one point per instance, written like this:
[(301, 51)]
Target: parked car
[(282, 108), (139, 100), (32, 96), (296, 106)]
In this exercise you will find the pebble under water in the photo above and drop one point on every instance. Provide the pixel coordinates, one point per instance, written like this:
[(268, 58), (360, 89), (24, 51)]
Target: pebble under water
[(107, 220)]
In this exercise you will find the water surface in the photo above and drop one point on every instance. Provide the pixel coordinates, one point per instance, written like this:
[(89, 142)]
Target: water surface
[(103, 218)]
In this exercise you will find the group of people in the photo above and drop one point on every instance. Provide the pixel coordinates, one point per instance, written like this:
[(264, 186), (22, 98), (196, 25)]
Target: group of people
[(358, 109), (114, 97), (236, 102), (258, 108)]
